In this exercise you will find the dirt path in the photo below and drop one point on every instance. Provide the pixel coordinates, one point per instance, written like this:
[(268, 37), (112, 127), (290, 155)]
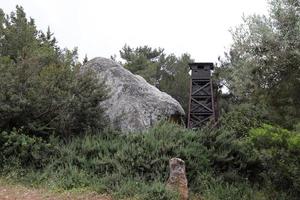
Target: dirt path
[(12, 192)]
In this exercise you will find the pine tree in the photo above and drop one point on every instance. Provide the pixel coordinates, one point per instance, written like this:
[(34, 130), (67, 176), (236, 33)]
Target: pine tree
[(143, 61)]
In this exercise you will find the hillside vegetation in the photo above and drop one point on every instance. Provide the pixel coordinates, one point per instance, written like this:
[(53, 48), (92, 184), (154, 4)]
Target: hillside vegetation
[(54, 136), (228, 162)]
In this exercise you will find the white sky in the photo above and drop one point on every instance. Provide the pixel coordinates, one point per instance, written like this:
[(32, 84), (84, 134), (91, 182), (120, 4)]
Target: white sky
[(102, 27)]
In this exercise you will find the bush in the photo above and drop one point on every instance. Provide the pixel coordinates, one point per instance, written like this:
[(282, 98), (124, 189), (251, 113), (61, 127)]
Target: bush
[(125, 165), (278, 151), (139, 156), (219, 165), (243, 149), (228, 155), (20, 150), (216, 188), (42, 88), (51, 99)]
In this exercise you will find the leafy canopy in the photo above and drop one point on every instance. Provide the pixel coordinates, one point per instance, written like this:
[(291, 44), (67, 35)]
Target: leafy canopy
[(262, 66), (42, 88)]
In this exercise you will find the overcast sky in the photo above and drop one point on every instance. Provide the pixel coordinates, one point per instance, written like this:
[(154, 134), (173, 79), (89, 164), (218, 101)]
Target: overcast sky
[(102, 27)]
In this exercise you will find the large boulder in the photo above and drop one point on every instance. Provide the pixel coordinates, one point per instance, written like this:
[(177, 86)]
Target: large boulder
[(133, 104)]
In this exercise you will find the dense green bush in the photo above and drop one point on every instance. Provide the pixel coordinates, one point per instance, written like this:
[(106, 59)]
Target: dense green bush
[(41, 86), (244, 149), (136, 165), (120, 164), (278, 152), (229, 157), (216, 188), (18, 150), (139, 156)]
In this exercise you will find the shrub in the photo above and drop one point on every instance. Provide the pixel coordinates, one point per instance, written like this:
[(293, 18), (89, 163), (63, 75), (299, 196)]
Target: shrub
[(218, 189), (135, 166), (42, 88), (228, 155), (139, 156), (278, 151), (51, 99), (20, 150), (242, 148), (124, 165)]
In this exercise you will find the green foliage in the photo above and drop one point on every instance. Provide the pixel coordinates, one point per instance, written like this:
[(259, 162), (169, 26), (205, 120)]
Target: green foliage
[(159, 191), (143, 61), (20, 150), (262, 66), (135, 189), (278, 151), (228, 155), (265, 155), (175, 78), (228, 162), (218, 189), (140, 156), (125, 165), (42, 88)]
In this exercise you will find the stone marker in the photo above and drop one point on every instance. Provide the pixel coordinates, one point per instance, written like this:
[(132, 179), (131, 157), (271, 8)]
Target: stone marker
[(177, 180)]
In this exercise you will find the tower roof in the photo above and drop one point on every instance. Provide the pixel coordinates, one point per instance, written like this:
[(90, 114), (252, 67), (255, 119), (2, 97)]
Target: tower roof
[(201, 65)]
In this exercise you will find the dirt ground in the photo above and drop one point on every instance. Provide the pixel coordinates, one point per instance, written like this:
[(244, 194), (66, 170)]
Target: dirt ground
[(12, 192)]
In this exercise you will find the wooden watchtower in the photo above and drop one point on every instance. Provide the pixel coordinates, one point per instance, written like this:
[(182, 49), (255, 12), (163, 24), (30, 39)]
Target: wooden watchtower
[(201, 102)]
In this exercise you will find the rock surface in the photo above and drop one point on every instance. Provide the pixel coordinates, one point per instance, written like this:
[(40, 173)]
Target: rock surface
[(177, 180), (133, 104)]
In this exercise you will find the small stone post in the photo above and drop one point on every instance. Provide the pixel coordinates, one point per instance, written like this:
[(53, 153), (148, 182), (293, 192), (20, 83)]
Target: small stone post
[(177, 180)]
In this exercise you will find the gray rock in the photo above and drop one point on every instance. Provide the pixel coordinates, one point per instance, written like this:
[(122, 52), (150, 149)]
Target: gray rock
[(133, 104)]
